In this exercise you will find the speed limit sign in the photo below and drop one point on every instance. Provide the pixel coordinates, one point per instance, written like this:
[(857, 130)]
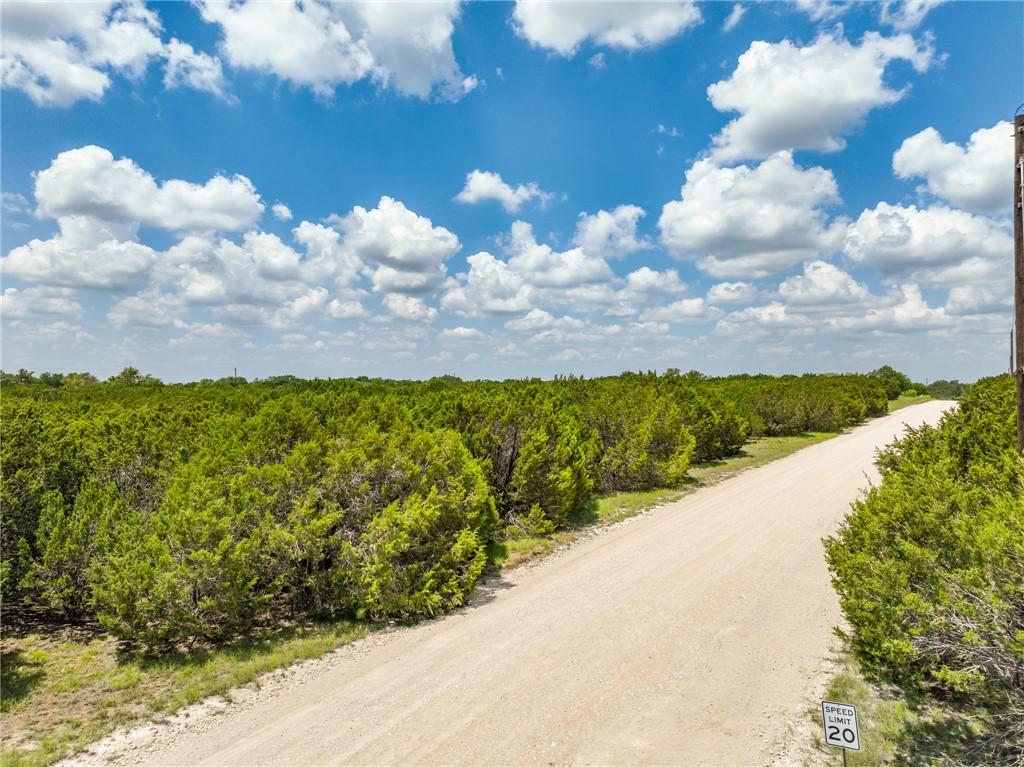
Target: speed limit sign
[(840, 725)]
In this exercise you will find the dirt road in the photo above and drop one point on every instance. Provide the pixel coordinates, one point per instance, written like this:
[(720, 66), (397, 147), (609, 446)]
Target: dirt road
[(696, 634)]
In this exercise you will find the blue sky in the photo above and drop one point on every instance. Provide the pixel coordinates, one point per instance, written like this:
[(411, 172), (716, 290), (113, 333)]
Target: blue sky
[(498, 190)]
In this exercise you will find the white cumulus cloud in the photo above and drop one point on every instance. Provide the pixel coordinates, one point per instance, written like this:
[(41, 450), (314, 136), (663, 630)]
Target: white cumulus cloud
[(463, 333), (977, 176), (539, 319), (536, 275), (752, 221), (774, 317), (563, 27), (39, 301), (544, 267), (731, 293), (262, 271), (409, 308), (822, 286), (326, 257), (150, 308), (894, 238), (905, 311), (188, 67), (973, 300), (483, 185), (647, 281), (611, 234), (972, 270), (319, 45), (281, 212), (409, 250), (60, 53), (309, 302), (792, 97), (345, 310), (683, 310), (90, 182), (490, 287), (86, 253)]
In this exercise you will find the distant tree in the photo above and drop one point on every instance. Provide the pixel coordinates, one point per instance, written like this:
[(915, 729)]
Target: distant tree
[(130, 376), (442, 381), (895, 382), (942, 389), (54, 380), (284, 380), (77, 380), (229, 381)]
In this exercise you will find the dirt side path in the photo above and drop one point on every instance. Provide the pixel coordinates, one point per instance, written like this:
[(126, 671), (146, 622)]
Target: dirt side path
[(697, 634)]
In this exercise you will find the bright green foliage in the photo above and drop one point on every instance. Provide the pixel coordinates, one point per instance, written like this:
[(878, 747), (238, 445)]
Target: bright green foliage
[(930, 567), (422, 551), (184, 511), (895, 382), (189, 570), (643, 441), (72, 542), (549, 476), (717, 427), (792, 405)]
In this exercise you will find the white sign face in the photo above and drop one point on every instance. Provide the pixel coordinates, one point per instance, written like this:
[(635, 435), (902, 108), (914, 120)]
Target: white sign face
[(840, 725)]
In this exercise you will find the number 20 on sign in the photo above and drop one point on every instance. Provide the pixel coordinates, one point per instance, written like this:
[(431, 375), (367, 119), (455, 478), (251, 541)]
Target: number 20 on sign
[(840, 720)]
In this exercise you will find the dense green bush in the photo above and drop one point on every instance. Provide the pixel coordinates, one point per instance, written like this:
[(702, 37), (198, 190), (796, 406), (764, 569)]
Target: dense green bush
[(643, 441), (791, 405), (895, 383), (930, 566), (178, 511)]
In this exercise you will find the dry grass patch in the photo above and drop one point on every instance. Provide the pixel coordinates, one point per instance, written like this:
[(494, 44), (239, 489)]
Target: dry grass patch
[(61, 690), (882, 717)]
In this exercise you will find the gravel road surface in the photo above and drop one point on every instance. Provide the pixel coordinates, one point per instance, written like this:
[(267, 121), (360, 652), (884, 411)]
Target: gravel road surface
[(696, 634)]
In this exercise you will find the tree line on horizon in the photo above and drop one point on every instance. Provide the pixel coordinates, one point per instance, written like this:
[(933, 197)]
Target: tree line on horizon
[(171, 512), (895, 382)]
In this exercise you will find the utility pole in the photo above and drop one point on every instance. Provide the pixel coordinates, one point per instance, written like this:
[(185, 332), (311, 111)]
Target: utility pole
[(1018, 270)]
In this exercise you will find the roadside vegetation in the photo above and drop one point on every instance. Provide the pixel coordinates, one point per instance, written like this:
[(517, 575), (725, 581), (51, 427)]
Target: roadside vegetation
[(162, 543), (906, 400), (883, 717), (616, 507), (67, 686), (930, 573)]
